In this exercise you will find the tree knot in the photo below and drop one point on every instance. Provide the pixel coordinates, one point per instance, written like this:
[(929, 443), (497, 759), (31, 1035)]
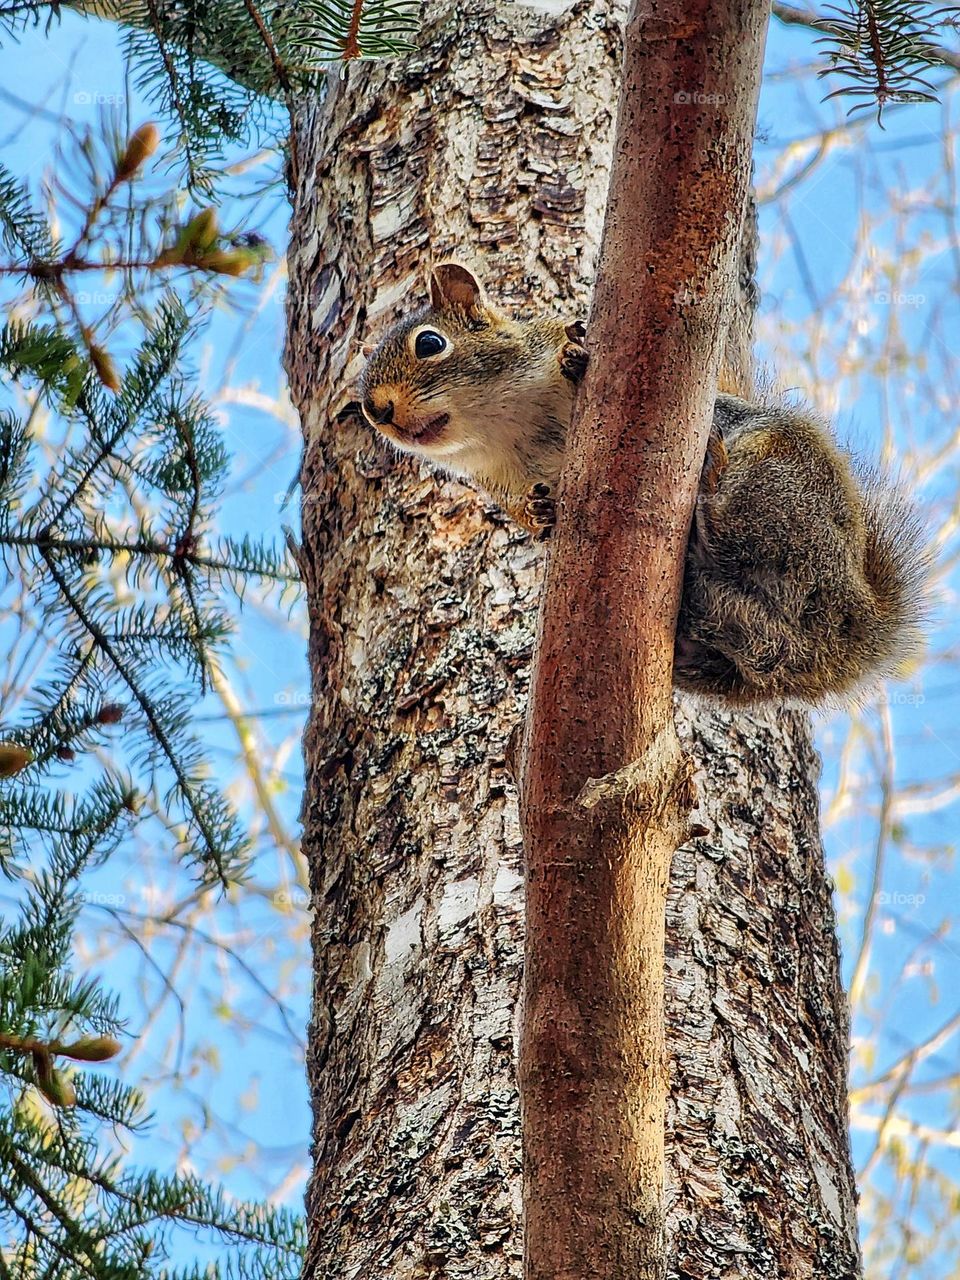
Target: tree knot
[(657, 786)]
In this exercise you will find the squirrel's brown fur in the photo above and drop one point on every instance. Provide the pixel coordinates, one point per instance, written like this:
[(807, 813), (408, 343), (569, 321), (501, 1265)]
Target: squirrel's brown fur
[(804, 575)]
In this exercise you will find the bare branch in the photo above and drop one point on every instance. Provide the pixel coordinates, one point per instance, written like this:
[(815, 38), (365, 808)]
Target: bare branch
[(592, 1072)]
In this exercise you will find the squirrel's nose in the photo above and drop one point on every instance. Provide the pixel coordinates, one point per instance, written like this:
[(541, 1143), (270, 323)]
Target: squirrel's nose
[(382, 414)]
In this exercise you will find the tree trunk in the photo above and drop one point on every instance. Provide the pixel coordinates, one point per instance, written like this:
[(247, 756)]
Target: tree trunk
[(492, 144)]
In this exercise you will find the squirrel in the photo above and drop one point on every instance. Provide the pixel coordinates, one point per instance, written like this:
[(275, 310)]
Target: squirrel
[(805, 572)]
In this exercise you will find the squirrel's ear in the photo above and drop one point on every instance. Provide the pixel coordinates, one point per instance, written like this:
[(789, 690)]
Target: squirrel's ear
[(454, 286)]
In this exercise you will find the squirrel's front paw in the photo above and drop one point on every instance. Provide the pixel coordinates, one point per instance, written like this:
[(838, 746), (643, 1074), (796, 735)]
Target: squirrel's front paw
[(541, 511), (573, 355)]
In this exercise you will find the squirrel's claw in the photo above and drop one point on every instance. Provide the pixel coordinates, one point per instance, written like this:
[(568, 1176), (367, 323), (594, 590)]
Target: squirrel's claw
[(541, 511), (573, 361)]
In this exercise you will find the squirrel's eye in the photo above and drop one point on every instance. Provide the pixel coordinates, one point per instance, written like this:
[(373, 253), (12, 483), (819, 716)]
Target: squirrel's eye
[(429, 343)]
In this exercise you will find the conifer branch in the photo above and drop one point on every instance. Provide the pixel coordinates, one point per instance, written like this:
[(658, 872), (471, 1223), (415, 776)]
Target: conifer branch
[(117, 689), (882, 47)]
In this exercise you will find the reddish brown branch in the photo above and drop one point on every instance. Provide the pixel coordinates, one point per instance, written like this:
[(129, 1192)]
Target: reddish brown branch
[(351, 46), (605, 792)]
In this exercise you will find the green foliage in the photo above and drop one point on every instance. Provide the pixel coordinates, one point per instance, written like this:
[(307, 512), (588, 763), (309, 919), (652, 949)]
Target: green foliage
[(110, 470), (22, 230), (66, 1210), (159, 440), (177, 53), (884, 48), (219, 71), (340, 31)]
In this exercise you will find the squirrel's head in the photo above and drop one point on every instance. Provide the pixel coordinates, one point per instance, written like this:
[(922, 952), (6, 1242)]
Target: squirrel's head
[(432, 384)]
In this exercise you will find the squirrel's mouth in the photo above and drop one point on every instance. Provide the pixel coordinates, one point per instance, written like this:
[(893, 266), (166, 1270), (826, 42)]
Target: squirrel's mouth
[(426, 431)]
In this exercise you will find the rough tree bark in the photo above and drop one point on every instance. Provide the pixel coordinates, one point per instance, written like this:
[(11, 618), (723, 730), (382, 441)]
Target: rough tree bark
[(606, 790), (493, 143)]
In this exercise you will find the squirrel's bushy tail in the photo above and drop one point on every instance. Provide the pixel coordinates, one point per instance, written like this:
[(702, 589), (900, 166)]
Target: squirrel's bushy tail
[(897, 565), (806, 579)]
